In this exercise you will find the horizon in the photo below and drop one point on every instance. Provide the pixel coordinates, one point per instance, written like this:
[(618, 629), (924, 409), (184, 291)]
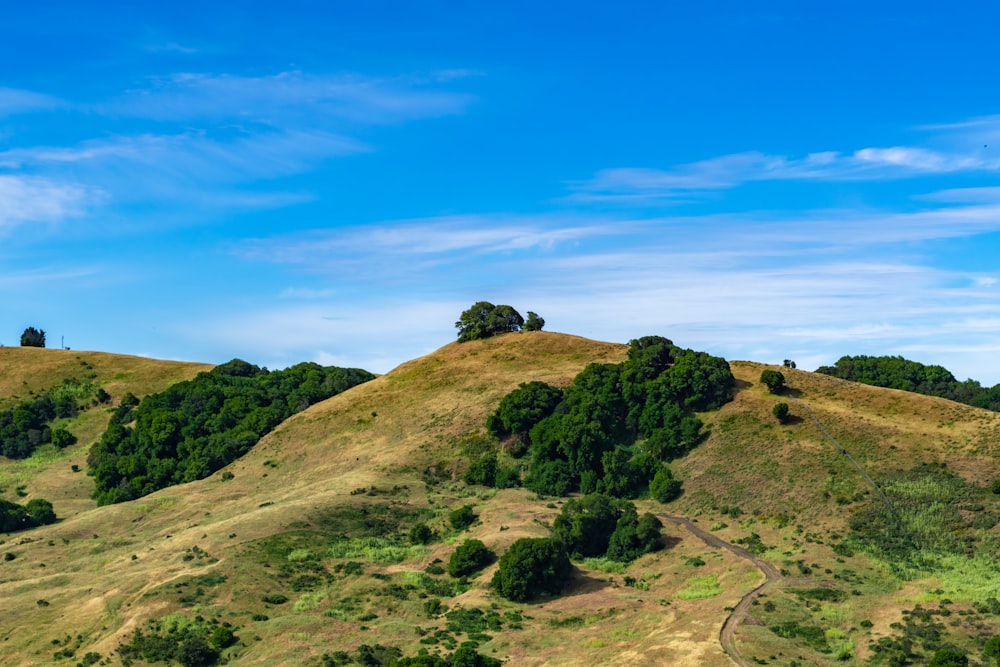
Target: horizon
[(337, 184)]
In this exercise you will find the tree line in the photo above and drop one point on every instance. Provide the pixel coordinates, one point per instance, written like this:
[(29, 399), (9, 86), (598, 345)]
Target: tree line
[(198, 426), (895, 372)]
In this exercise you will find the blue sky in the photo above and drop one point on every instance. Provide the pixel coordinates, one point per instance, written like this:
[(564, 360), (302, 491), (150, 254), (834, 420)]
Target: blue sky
[(337, 181)]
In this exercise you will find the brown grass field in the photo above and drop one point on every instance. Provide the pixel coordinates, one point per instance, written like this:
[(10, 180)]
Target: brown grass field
[(395, 445)]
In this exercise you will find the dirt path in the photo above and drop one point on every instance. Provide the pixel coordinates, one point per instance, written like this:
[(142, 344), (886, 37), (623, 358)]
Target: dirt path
[(727, 636)]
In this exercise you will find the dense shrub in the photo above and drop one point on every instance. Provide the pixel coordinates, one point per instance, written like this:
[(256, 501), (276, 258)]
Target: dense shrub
[(462, 518), (470, 556), (634, 536), (14, 517), (421, 533), (522, 408), (664, 487), (773, 380), (532, 567)]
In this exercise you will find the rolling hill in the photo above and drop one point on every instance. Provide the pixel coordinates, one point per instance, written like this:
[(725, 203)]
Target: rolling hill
[(300, 546)]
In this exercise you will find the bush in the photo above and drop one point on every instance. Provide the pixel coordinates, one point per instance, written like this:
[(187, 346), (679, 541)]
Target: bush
[(664, 487), (62, 438), (470, 556), (585, 525), (634, 536), (780, 412), (774, 380), (462, 518), (422, 534), (531, 567)]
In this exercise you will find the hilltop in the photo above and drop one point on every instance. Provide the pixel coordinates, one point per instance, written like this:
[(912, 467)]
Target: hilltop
[(332, 486)]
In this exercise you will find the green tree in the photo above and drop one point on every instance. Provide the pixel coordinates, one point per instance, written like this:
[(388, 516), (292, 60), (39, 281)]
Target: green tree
[(522, 408), (33, 337), (780, 411), (62, 438), (196, 652), (461, 518), (992, 649), (774, 380), (949, 656), (421, 533), (634, 536), (469, 557), (664, 487), (483, 320), (534, 322), (585, 524), (532, 567), (40, 512)]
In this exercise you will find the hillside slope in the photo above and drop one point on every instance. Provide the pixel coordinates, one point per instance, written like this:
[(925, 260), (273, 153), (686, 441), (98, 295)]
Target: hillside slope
[(286, 520), (28, 371)]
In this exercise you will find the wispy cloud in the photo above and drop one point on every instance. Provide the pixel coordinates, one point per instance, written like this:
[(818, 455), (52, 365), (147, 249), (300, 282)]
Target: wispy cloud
[(426, 240), (318, 100), (684, 181), (733, 170), (26, 199), (215, 138), (14, 101)]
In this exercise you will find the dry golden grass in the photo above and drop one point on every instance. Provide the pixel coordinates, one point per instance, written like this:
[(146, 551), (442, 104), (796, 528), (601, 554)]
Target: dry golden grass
[(103, 570)]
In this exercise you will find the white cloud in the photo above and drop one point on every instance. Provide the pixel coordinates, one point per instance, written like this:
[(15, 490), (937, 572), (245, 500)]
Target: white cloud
[(25, 199), (626, 185), (285, 97)]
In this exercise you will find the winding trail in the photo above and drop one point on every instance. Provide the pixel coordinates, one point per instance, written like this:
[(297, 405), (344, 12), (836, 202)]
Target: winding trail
[(727, 635)]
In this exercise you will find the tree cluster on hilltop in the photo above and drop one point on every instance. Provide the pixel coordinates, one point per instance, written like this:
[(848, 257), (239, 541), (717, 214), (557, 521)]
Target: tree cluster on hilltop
[(33, 337), (199, 426), (895, 372), (484, 320)]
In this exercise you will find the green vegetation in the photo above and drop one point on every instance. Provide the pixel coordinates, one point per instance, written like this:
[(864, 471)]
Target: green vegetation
[(773, 380), (470, 557), (14, 517), (484, 320), (899, 373), (934, 520), (599, 526), (193, 642), (197, 427), (27, 426), (32, 337), (613, 428), (462, 518), (780, 412), (532, 567)]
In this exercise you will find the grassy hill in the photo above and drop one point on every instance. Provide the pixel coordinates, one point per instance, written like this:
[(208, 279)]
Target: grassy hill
[(314, 513)]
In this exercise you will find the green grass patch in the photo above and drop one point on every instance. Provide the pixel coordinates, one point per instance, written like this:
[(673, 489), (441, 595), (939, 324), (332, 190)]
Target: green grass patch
[(378, 550), (699, 588)]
